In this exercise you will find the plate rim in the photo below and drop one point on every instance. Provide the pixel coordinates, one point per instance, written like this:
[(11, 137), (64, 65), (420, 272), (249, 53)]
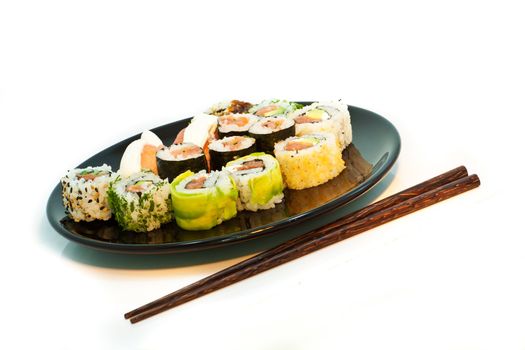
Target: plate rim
[(239, 236)]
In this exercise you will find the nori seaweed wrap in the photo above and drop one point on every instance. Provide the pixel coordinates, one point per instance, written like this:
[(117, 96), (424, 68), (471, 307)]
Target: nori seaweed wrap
[(176, 159), (229, 148), (270, 130)]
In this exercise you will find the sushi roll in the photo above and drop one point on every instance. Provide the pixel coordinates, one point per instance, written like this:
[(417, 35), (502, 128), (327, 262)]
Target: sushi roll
[(176, 159), (267, 131), (140, 202), (229, 148), (309, 160), (84, 193), (271, 108), (259, 180), (235, 124), (203, 200), (140, 155), (229, 107), (331, 117)]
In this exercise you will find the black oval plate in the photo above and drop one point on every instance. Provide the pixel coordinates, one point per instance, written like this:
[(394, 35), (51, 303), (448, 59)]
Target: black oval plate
[(374, 150)]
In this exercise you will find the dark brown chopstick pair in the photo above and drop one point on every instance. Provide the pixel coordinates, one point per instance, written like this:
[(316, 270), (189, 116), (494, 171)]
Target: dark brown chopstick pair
[(444, 186)]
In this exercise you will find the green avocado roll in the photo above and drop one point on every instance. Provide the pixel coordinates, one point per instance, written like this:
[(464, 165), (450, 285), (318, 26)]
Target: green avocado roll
[(140, 202), (203, 200), (259, 180)]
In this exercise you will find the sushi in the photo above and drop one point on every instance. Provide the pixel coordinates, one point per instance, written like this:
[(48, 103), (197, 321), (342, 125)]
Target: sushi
[(176, 159), (140, 155), (309, 160), (258, 178), (235, 124), (271, 108), (229, 107), (84, 193), (229, 148), (140, 202), (267, 131), (236, 156), (331, 117), (201, 129), (203, 200)]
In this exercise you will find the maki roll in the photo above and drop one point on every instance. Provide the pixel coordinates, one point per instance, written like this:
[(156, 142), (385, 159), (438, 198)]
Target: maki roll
[(229, 107), (331, 117), (176, 159), (309, 160), (259, 180), (235, 124), (229, 148), (271, 108), (203, 200), (84, 193), (140, 202), (268, 131)]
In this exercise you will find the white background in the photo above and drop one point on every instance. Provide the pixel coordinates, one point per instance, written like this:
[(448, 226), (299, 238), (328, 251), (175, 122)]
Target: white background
[(78, 76)]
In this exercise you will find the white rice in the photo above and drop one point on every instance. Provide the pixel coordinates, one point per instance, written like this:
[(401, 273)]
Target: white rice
[(260, 128), (335, 120), (166, 153), (232, 127), (86, 200), (221, 145)]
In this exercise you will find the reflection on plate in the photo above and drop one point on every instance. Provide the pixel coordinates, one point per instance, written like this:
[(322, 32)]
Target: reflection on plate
[(374, 150)]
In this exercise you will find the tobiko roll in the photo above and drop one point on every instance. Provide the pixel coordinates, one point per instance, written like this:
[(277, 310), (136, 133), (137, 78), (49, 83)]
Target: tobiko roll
[(84, 193), (203, 200), (309, 160), (140, 202), (331, 117), (270, 130), (258, 178), (176, 159), (229, 148)]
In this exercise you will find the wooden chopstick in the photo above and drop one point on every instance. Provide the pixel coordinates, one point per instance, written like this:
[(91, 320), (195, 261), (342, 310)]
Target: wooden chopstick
[(416, 190), (412, 199)]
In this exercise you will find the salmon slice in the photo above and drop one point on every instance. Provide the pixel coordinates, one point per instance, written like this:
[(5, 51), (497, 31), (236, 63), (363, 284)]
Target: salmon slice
[(302, 119), (148, 158), (273, 124), (196, 183), (229, 119), (87, 177), (261, 112), (297, 145), (180, 137), (206, 150), (233, 144), (186, 152), (135, 188), (251, 164)]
